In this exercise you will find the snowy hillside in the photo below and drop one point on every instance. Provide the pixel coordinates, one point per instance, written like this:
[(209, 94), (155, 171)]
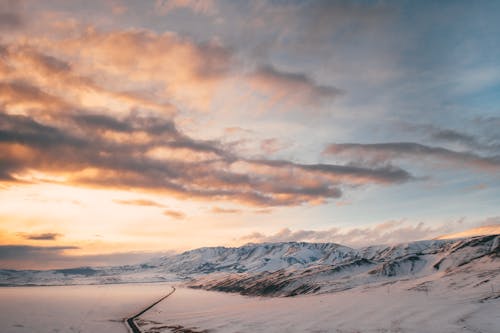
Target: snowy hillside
[(256, 258), (475, 259), (290, 268)]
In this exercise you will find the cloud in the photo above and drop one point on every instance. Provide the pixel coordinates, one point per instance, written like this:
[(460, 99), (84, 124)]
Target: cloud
[(104, 118), (51, 257), (150, 153), (390, 232), (219, 210), (175, 73), (49, 236), (115, 70), (482, 139), (207, 7), (10, 21), (118, 9), (177, 215), (288, 87), (140, 202), (323, 30), (10, 15), (176, 69), (273, 145), (449, 135), (468, 141), (23, 256), (21, 94), (383, 152)]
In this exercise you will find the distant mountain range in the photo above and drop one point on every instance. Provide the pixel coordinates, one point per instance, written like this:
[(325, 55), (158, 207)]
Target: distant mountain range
[(292, 268)]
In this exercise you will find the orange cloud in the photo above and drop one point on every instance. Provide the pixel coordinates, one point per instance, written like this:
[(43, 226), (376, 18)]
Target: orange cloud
[(95, 108), (168, 66), (174, 214), (219, 210), (140, 202)]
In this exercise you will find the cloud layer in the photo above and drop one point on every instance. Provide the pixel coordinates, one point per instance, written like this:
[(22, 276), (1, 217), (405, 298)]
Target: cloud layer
[(389, 232), (105, 118), (53, 257), (150, 153), (380, 153)]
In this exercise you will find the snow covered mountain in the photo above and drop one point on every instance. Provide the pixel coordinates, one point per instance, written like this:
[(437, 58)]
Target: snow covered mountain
[(475, 260), (293, 268), (255, 258)]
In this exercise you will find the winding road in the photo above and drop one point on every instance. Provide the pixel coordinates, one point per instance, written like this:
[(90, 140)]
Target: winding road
[(130, 321)]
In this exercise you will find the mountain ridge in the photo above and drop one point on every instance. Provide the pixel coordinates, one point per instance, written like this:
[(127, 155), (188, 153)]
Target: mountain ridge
[(289, 268)]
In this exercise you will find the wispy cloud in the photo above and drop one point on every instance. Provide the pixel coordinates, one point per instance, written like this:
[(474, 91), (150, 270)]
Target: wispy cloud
[(48, 236), (25, 256), (140, 202), (288, 87), (273, 145), (377, 153), (219, 210), (100, 150), (207, 7), (10, 15), (52, 257), (175, 214), (390, 232)]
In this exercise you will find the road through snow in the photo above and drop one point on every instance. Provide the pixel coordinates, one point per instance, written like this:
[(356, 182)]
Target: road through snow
[(130, 321)]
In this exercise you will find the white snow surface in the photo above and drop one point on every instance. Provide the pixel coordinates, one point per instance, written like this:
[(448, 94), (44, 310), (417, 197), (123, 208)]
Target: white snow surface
[(77, 308), (396, 307), (429, 286)]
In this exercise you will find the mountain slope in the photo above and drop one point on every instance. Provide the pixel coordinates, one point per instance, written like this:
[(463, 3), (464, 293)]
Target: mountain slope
[(476, 260), (291, 268), (255, 258)]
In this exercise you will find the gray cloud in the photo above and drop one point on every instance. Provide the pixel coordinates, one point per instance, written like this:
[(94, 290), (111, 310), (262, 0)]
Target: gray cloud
[(453, 136), (12, 92), (79, 141), (12, 254), (206, 7), (147, 151), (288, 86), (482, 139), (9, 21), (386, 174), (10, 15), (308, 24), (50, 257), (469, 141), (48, 236), (384, 152)]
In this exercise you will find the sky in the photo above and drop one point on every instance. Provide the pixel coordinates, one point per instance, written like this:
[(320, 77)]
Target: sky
[(130, 129)]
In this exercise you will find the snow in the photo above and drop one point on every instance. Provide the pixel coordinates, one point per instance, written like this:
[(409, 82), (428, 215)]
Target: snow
[(426, 286), (65, 309), (255, 259), (381, 308), (473, 260)]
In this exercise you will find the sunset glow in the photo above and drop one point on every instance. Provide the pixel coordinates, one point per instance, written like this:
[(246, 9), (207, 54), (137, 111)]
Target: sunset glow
[(131, 129)]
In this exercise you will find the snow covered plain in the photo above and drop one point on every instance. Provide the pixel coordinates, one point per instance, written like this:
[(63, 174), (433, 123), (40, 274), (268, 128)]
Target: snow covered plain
[(380, 308), (78, 308), (426, 286)]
